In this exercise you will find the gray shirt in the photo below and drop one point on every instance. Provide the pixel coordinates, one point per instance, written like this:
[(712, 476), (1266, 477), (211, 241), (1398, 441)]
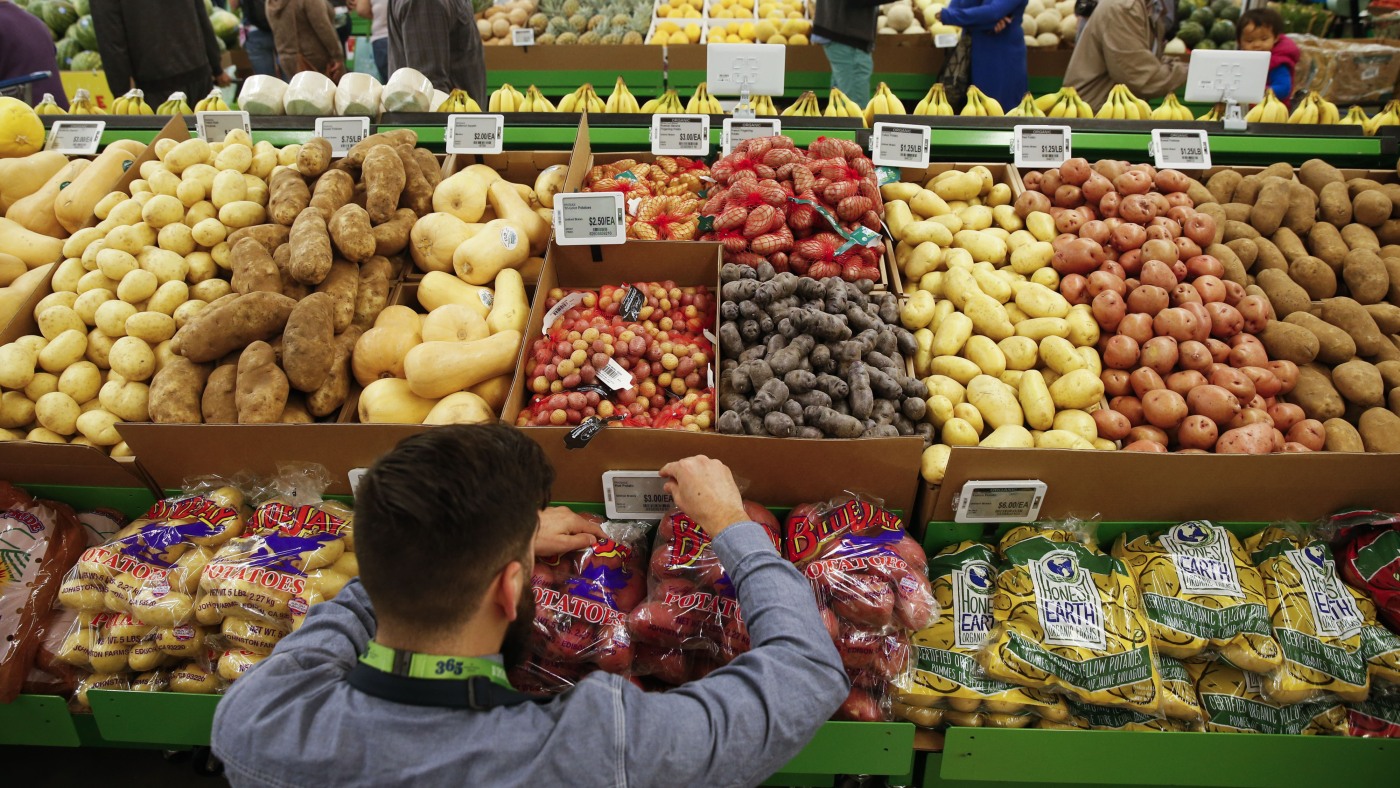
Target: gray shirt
[(294, 720), (440, 39)]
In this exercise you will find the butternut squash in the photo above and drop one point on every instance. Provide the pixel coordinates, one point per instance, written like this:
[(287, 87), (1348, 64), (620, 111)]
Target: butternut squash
[(485, 172), (436, 369), (75, 204), (508, 205), (390, 401), (495, 391), (463, 195), (438, 288), (530, 270), (11, 268), (22, 177), (36, 212), (501, 244), (13, 296), (31, 247), (460, 408), (380, 351), (435, 237), (399, 315), (454, 323), (509, 309)]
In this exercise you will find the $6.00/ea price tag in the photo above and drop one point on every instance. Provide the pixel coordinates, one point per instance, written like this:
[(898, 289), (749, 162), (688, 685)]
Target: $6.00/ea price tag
[(999, 501), (591, 218), (635, 495), (342, 133), (475, 133), (1040, 146), (1181, 149), (75, 137), (680, 135), (899, 145)]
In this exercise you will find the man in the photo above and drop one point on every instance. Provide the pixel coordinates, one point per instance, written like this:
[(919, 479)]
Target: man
[(440, 39), (1122, 42), (446, 527), (258, 41), (26, 46), (159, 46), (846, 32)]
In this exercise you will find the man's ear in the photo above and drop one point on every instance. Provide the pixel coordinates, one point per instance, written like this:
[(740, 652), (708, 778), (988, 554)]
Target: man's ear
[(511, 584)]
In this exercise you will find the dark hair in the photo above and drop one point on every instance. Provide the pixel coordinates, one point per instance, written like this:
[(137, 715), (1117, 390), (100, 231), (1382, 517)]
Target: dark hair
[(1267, 18), (439, 516)]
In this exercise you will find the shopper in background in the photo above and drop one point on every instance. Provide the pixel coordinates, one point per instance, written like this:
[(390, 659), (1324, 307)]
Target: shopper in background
[(1261, 30), (998, 47), (446, 529), (159, 46), (440, 39), (257, 36), (377, 11), (846, 31), (26, 46), (306, 39), (1123, 42)]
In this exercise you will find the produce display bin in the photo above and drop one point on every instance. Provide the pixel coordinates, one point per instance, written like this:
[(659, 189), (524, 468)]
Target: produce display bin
[(37, 720)]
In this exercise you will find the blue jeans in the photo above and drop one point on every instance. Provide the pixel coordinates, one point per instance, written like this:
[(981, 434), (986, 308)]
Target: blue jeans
[(851, 69), (261, 51), (380, 46)]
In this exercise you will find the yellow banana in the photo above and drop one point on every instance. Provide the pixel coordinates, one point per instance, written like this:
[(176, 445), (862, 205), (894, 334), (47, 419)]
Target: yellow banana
[(214, 102), (1046, 102), (49, 107), (1109, 106), (82, 104), (1213, 114), (1327, 112), (1355, 116)]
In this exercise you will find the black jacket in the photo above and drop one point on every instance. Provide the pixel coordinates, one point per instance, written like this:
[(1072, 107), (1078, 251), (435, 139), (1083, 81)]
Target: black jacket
[(849, 22), (153, 41)]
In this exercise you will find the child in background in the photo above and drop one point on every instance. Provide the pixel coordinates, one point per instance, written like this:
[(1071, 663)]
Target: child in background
[(1261, 30)]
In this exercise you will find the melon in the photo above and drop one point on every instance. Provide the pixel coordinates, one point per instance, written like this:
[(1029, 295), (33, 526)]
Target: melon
[(899, 17), (21, 131)]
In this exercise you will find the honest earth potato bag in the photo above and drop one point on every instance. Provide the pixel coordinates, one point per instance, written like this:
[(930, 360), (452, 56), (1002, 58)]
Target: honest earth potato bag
[(1234, 700)]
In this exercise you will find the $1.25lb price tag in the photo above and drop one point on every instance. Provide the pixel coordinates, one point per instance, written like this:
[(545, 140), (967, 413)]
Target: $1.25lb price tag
[(592, 218), (680, 135), (1181, 149), (635, 495), (739, 130), (1040, 146), (342, 133), (899, 145), (75, 137), (475, 133), (999, 501), (214, 126)]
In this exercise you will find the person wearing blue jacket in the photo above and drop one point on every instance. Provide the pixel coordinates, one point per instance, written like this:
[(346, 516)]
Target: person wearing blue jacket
[(998, 50)]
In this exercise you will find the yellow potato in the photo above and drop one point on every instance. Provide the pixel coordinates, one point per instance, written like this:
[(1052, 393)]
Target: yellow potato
[(1006, 218), (1042, 226), (1079, 389), (1038, 328), (983, 246), (927, 231), (947, 387), (80, 381), (976, 217), (898, 217), (923, 258), (63, 351), (167, 266), (162, 209), (242, 213), (971, 415), (1031, 257), (1061, 439), (957, 432), (1047, 277), (151, 327), (990, 283), (934, 462), (941, 312), (989, 318), (1078, 422), (923, 338), (1034, 396), (1011, 436), (1021, 353), (955, 367), (951, 335), (996, 401), (1092, 362), (986, 355), (57, 412), (928, 204), (1060, 355), (917, 311), (940, 409), (1083, 328)]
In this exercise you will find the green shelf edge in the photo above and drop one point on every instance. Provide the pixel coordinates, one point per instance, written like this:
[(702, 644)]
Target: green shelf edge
[(131, 501), (37, 720), (164, 718)]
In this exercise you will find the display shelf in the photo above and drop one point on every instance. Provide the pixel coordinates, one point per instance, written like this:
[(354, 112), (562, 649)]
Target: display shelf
[(165, 718), (37, 720), (131, 501), (938, 535)]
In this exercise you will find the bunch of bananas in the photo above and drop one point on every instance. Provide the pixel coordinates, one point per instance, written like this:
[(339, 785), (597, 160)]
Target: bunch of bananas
[(1026, 109), (581, 100), (980, 105), (214, 102), (1390, 116), (883, 103), (459, 101), (702, 103), (1212, 115), (934, 102), (1172, 109), (1123, 105), (1355, 116), (1313, 108), (1064, 104), (175, 105), (763, 105), (506, 99), (1270, 110), (82, 104), (621, 99), (535, 102), (49, 107), (133, 103), (839, 105), (668, 103), (806, 106)]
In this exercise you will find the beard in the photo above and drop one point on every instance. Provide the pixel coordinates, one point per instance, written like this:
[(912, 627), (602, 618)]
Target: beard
[(515, 647)]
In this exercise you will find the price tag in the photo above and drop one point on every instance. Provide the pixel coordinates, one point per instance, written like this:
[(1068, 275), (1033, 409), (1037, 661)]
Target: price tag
[(946, 40), (898, 145), (736, 131), (680, 135), (1040, 146), (635, 495), (615, 377), (522, 36), (214, 126), (1181, 149), (475, 133), (75, 137), (356, 474), (557, 311), (592, 218), (999, 501), (342, 133)]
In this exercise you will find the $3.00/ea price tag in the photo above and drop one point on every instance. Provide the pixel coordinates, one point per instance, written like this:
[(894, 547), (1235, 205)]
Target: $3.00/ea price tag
[(342, 133), (999, 501), (214, 126), (635, 495), (1040, 146), (739, 130), (592, 218), (1181, 149), (680, 135), (75, 137), (899, 145), (475, 133)]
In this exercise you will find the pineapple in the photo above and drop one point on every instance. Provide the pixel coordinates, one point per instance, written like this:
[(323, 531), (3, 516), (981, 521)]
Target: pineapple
[(579, 23), (570, 7)]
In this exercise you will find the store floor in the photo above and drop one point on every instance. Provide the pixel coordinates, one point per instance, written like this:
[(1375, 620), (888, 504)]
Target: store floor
[(41, 767)]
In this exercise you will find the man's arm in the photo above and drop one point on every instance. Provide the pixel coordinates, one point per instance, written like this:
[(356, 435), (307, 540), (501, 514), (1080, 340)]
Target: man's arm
[(1128, 53), (980, 17), (111, 44), (324, 25)]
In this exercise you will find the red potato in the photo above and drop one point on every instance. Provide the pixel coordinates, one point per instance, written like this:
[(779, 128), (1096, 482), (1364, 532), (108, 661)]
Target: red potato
[(1070, 222), (1165, 251), (1146, 445), (672, 666), (1233, 381), (1201, 265), (1121, 352), (1059, 241), (1136, 208), (1110, 168), (1128, 236), (1032, 181), (1112, 266), (1193, 355), (1101, 280), (1181, 213), (1095, 231), (1294, 448), (1050, 180), (1164, 408), (1130, 407), (1146, 379), (1255, 310), (1109, 309), (1095, 188), (1111, 424), (1234, 292), (1116, 382), (1308, 432), (1250, 439), (1225, 320), (1250, 416), (1178, 323), (1160, 354), (1186, 248), (1180, 200), (1075, 289), (1285, 415), (1148, 432), (1258, 403), (1287, 374), (1157, 273), (860, 706), (1197, 432), (864, 599), (1209, 287), (1183, 294), (1079, 256), (1031, 201), (1214, 402), (1167, 224), (1266, 385), (1202, 327), (1068, 196), (1131, 262), (660, 624), (1133, 182), (1201, 229), (1076, 171), (1219, 351), (1108, 206), (1159, 201), (1184, 381), (1168, 181), (1148, 300)]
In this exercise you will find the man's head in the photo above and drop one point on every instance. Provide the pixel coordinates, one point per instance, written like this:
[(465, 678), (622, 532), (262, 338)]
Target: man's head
[(445, 522), (1259, 29)]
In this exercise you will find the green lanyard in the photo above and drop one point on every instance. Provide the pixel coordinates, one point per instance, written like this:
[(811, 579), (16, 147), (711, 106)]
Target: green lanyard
[(431, 666)]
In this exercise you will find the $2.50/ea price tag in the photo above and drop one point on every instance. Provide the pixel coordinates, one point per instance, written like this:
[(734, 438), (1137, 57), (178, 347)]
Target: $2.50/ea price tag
[(999, 501), (1181, 149), (591, 218), (899, 145), (342, 133), (635, 495), (475, 133), (680, 135), (739, 130), (1040, 146), (75, 137), (214, 126)]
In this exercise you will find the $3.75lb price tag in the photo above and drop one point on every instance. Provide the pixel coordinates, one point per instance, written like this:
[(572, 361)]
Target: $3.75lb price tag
[(739, 130), (680, 135), (342, 133), (75, 137), (1040, 146), (1181, 149), (635, 495), (592, 218), (899, 145), (475, 133)]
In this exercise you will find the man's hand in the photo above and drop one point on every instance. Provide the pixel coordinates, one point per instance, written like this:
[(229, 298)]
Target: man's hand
[(562, 531), (1002, 24), (222, 79), (704, 489), (336, 70)]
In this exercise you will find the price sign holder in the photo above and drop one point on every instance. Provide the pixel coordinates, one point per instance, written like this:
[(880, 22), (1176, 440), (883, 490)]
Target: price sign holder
[(589, 219), (736, 130), (522, 37), (1181, 149), (999, 501), (899, 145), (75, 137), (635, 495), (342, 133), (680, 135), (475, 133), (214, 126), (1040, 146), (746, 70)]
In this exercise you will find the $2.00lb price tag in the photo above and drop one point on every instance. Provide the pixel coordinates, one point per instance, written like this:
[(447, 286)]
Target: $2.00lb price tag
[(680, 135), (999, 501), (214, 126), (1181, 149), (475, 133), (899, 145), (739, 130), (75, 137), (1040, 146), (635, 495), (589, 218), (342, 133)]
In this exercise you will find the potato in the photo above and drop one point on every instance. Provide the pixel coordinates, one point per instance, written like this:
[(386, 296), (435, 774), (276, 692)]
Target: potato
[(1366, 276), (1078, 389), (242, 213), (956, 367), (1041, 327), (1327, 245), (137, 286), (1010, 436), (1360, 383), (57, 319), (351, 233), (222, 328), (1341, 436), (43, 383), (111, 317), (1038, 301), (129, 401), (57, 412), (996, 401), (1059, 354), (1380, 430), (1351, 317), (1021, 353), (1371, 208), (1334, 345), (1315, 394), (253, 268), (1359, 236), (951, 335), (1289, 342), (392, 237), (81, 381), (1284, 294), (1035, 399), (1257, 438), (63, 351), (917, 310), (933, 464), (261, 388), (314, 157), (210, 290), (16, 410), (342, 284), (384, 179), (218, 405), (372, 293), (307, 349), (1315, 277), (1270, 205)]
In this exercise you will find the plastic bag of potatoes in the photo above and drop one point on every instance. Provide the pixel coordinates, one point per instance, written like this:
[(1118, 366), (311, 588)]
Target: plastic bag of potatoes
[(1234, 701)]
